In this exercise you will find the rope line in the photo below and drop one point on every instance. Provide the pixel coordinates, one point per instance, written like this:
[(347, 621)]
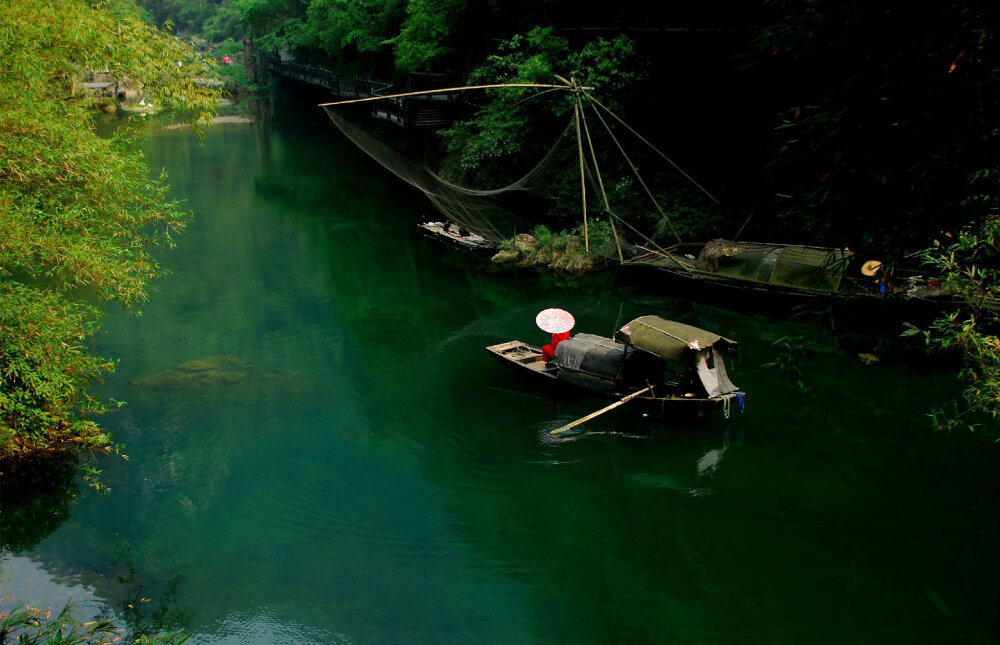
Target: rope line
[(635, 171), (654, 148)]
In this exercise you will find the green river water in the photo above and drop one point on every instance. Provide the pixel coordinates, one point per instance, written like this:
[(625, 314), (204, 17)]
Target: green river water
[(344, 463)]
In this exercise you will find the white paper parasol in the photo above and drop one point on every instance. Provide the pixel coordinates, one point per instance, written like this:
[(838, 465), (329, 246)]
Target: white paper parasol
[(555, 321)]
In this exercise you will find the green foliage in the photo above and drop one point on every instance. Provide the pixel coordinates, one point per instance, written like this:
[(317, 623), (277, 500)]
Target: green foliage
[(427, 31), (276, 24), (45, 363), (560, 241), (790, 352), (601, 237), (124, 8), (886, 110), (224, 23), (230, 47), (599, 233), (542, 234), (970, 267), (33, 626), (215, 20), (79, 215), (515, 128), (235, 73), (367, 25)]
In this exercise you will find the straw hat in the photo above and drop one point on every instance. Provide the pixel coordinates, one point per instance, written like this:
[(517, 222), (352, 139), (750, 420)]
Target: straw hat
[(871, 267)]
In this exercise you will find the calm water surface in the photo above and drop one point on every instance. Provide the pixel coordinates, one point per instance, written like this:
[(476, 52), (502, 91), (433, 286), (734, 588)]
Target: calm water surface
[(339, 461)]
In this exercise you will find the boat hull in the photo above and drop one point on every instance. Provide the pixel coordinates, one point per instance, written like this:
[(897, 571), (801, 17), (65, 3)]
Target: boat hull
[(667, 399), (853, 306)]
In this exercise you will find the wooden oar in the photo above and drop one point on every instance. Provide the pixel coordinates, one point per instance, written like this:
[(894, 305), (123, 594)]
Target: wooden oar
[(601, 411)]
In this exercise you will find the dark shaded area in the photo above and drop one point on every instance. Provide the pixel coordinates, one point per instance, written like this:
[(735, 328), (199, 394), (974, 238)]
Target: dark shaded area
[(34, 499)]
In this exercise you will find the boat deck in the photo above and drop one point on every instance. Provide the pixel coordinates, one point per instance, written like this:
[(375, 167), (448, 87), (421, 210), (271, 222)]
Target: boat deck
[(526, 356), (455, 236)]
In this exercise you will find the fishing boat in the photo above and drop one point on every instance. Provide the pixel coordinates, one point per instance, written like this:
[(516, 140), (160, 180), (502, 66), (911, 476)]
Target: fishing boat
[(667, 366), (801, 272), (457, 237)]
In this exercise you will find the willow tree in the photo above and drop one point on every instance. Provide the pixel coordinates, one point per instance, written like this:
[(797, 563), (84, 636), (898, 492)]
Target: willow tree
[(80, 215)]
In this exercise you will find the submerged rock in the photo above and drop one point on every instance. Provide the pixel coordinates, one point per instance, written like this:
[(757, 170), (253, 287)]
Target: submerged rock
[(208, 371)]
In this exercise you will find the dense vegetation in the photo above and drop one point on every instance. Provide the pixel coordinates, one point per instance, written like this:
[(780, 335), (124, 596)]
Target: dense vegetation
[(79, 214)]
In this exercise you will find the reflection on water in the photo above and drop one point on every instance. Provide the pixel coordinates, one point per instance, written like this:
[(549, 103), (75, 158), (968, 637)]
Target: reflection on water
[(146, 612), (119, 593), (323, 451), (35, 500), (709, 462)]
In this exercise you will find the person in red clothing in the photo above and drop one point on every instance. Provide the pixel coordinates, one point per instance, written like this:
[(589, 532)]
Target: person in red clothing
[(549, 351)]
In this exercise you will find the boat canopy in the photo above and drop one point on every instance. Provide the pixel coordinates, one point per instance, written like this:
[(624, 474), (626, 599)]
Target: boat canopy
[(669, 339), (802, 267), (638, 353), (689, 345)]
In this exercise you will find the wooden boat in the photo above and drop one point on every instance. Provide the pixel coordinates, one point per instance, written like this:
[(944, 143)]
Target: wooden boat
[(802, 272), (684, 365), (455, 236)]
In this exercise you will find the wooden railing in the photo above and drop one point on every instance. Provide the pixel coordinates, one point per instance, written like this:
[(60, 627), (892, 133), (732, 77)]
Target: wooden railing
[(343, 86), (425, 111)]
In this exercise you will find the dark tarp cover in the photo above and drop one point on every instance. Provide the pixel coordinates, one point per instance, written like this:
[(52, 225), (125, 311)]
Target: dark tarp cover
[(801, 267), (667, 338), (592, 354)]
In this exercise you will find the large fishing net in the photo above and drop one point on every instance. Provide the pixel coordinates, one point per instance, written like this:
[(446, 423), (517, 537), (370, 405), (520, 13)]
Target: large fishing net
[(485, 212), (489, 212)]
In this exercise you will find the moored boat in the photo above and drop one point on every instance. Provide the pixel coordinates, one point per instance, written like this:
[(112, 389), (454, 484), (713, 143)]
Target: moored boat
[(457, 237), (682, 364), (790, 271)]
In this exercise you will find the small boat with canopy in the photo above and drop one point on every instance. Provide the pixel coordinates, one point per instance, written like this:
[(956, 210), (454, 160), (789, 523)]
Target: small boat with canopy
[(730, 269), (666, 366)]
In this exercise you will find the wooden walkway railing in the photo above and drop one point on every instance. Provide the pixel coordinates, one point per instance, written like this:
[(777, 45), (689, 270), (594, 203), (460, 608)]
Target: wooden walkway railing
[(343, 86), (427, 111)]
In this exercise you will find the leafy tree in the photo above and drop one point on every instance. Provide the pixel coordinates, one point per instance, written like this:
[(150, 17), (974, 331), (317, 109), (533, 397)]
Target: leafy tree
[(512, 126), (223, 22), (80, 217), (122, 8), (886, 110), (971, 268), (969, 264), (366, 25), (427, 34), (276, 24), (515, 128)]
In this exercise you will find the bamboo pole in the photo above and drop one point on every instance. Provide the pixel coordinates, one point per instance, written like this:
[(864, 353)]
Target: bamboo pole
[(654, 148), (600, 180), (583, 180), (601, 411), (449, 89), (635, 171)]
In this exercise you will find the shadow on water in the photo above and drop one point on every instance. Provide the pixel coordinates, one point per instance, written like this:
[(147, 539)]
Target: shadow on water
[(36, 500)]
